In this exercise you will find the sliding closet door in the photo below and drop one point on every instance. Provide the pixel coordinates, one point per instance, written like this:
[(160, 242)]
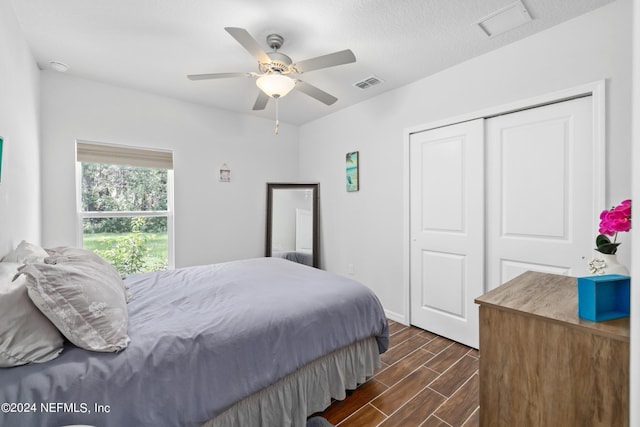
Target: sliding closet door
[(447, 228), (493, 198), (540, 200)]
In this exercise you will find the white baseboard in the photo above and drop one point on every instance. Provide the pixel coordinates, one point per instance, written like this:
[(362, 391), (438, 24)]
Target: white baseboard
[(400, 318)]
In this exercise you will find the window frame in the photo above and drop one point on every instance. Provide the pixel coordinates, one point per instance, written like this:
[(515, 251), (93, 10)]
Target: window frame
[(168, 213)]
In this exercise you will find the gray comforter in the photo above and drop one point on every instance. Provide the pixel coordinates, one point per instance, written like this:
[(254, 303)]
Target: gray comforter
[(202, 338)]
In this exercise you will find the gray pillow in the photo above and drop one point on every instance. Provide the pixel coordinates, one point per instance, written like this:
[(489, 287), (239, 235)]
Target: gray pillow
[(83, 297), (26, 335), (26, 253), (72, 254)]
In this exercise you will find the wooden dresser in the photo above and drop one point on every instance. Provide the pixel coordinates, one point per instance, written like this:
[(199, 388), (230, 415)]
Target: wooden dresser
[(542, 365)]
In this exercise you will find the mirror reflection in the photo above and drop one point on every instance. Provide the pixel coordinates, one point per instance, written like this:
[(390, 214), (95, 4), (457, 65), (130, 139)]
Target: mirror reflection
[(292, 222)]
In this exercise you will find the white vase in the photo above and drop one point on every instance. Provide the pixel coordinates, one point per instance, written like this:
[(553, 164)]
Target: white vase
[(611, 264)]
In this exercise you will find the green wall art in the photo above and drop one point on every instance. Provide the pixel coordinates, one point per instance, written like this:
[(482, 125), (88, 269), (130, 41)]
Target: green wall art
[(352, 171)]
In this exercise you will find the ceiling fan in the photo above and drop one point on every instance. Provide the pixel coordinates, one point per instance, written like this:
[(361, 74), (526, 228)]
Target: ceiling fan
[(275, 69)]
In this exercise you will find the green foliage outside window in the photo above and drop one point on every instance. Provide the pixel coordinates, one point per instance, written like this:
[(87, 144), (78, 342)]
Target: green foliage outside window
[(130, 252), (131, 244)]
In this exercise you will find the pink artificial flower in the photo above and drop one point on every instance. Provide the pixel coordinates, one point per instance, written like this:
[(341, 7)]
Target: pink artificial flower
[(625, 208), (617, 219), (613, 221), (604, 225)]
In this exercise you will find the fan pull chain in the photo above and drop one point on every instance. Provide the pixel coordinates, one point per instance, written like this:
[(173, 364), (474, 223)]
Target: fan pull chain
[(277, 121)]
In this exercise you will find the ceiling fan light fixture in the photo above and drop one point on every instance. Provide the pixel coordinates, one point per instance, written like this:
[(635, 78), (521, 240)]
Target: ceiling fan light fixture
[(275, 84)]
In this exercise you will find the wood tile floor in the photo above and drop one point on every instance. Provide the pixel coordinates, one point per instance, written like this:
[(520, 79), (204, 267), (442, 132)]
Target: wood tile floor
[(425, 380)]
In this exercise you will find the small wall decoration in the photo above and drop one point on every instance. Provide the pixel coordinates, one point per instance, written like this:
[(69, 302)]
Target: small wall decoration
[(352, 171), (225, 173)]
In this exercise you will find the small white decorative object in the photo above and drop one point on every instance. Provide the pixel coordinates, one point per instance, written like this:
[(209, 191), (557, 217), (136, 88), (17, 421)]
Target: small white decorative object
[(607, 264), (596, 266), (225, 173)]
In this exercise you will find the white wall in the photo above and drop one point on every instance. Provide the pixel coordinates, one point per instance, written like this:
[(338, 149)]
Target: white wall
[(366, 228), (20, 180), (214, 221), (635, 268)]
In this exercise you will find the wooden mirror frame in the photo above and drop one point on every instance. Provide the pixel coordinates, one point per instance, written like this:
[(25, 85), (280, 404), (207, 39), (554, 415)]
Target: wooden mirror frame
[(314, 188)]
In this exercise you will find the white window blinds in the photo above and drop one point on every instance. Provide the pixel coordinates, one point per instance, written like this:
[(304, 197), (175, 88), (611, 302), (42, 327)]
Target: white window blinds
[(120, 155)]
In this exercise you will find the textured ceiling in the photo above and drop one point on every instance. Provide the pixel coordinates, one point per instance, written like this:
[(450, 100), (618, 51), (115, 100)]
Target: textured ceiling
[(152, 45)]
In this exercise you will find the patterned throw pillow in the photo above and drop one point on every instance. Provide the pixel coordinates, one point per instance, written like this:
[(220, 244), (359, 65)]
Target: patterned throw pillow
[(84, 297), (71, 254)]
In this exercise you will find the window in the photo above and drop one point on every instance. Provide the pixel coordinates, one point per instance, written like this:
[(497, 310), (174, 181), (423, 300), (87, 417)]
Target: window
[(125, 200)]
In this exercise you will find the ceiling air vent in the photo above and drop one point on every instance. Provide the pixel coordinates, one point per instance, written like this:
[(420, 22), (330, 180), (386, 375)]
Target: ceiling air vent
[(505, 19), (368, 82)]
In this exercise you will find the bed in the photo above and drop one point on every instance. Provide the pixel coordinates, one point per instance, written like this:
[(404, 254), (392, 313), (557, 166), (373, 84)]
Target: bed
[(296, 256), (253, 342)]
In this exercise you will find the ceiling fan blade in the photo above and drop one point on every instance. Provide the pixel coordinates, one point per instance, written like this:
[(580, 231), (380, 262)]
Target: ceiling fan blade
[(325, 61), (216, 76), (249, 43), (261, 101), (316, 93)]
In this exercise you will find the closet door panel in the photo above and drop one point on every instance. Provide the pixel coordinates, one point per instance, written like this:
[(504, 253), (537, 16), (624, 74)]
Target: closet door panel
[(539, 192), (447, 225)]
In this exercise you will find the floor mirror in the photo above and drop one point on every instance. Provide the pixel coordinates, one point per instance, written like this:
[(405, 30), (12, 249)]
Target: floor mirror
[(292, 222)]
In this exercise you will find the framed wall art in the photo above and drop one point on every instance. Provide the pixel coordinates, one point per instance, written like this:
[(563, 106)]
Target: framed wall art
[(352, 171), (225, 173)]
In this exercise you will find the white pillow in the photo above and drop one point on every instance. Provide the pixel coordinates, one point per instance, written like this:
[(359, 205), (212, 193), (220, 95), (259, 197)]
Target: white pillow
[(85, 299), (25, 253), (26, 335)]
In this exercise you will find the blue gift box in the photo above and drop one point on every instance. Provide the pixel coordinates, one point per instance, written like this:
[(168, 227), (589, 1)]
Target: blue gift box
[(604, 297)]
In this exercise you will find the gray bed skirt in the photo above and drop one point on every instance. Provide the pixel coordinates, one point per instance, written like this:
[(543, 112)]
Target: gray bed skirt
[(288, 402)]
